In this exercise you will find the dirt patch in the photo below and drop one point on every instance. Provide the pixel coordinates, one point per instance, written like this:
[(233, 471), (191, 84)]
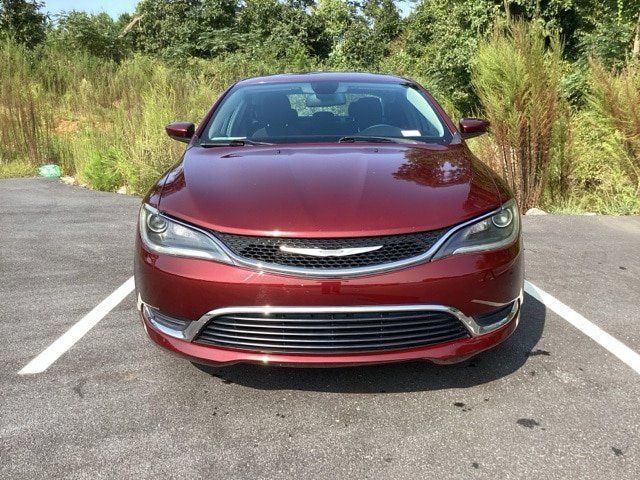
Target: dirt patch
[(67, 126)]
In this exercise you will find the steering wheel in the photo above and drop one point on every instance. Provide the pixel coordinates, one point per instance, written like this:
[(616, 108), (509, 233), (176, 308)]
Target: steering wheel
[(382, 129)]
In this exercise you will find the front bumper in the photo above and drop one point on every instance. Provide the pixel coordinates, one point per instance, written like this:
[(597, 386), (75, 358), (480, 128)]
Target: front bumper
[(449, 352), (466, 285)]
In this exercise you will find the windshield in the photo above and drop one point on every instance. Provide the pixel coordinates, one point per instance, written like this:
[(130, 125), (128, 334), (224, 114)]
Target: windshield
[(325, 111)]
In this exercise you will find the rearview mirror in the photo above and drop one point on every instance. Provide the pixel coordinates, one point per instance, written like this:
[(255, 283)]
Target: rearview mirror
[(181, 131), (472, 127), (325, 99)]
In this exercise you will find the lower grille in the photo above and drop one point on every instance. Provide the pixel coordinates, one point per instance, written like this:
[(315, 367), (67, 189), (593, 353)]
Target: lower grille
[(331, 332), (165, 320), (493, 316)]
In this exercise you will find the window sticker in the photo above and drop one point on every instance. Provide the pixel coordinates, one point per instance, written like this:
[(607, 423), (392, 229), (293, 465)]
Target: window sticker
[(410, 133)]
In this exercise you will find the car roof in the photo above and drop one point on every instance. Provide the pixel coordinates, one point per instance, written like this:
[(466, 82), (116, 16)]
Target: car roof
[(323, 76)]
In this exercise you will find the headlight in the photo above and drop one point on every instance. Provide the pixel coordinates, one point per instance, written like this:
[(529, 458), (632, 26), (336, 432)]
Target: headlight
[(163, 235), (491, 233)]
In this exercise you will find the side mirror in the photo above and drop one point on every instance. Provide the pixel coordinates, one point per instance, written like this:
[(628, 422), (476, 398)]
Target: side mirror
[(181, 131), (472, 127)]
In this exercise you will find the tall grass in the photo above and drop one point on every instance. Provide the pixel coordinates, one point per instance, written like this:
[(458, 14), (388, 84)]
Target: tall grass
[(103, 121), (590, 173), (26, 121), (593, 167), (119, 140), (616, 96), (516, 76)]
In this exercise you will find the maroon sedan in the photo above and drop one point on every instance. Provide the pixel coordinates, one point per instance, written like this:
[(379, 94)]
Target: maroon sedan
[(328, 219)]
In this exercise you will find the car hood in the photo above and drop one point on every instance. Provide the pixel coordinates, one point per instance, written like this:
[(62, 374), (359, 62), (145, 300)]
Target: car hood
[(328, 191)]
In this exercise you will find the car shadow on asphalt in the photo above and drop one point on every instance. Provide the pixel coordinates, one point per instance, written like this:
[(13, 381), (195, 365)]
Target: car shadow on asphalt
[(496, 363)]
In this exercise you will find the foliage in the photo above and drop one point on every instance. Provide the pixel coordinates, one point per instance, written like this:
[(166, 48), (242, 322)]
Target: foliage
[(516, 79), (92, 93), (179, 29), (617, 98), (23, 21), (98, 34), (594, 180), (608, 31), (384, 18), (442, 37)]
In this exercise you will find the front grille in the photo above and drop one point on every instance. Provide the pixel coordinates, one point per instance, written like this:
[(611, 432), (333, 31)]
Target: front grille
[(331, 332), (394, 248)]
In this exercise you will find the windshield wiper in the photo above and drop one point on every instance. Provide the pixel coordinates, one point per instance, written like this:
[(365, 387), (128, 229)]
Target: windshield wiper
[(366, 138), (236, 142)]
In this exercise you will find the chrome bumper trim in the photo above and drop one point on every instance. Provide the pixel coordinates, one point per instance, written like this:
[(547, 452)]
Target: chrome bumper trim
[(194, 328)]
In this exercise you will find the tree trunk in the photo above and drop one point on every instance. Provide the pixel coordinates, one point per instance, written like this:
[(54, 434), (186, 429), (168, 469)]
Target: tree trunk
[(507, 11), (130, 25)]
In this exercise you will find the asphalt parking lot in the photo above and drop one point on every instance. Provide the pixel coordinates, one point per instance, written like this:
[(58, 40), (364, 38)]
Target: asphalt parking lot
[(550, 402)]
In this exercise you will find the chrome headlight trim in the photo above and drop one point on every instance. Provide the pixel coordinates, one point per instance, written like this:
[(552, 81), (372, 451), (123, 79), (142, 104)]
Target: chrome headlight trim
[(231, 258), (196, 243), (454, 241)]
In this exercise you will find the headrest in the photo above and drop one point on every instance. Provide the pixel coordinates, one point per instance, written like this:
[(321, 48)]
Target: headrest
[(276, 109), (366, 111)]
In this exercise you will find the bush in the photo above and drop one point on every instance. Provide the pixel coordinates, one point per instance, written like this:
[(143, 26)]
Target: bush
[(100, 163)]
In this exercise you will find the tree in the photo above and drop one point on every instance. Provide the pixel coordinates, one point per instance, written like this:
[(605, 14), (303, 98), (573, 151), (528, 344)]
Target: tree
[(335, 18), (442, 38), (179, 29), (97, 34), (214, 25), (23, 20), (359, 49), (384, 18), (359, 35), (283, 28), (608, 33)]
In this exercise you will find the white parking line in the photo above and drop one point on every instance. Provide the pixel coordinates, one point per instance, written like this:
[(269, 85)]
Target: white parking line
[(591, 330), (77, 331)]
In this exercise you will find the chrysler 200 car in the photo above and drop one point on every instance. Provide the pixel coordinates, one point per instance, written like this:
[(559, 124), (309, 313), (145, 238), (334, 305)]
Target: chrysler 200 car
[(328, 219)]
